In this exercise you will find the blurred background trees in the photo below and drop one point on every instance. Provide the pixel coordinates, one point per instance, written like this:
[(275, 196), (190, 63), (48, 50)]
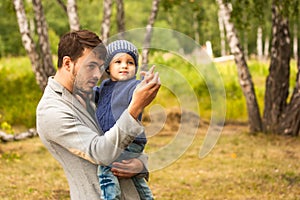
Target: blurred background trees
[(264, 30)]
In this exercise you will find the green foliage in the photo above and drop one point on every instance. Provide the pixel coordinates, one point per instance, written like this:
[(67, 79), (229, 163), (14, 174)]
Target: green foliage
[(6, 127), (56, 18), (182, 15), (10, 38), (54, 41), (19, 92), (179, 15)]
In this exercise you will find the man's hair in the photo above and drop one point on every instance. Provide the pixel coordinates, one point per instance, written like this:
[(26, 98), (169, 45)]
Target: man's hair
[(72, 44)]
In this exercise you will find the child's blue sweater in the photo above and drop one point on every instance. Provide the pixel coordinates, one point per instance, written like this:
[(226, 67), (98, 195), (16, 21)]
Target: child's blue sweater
[(112, 98)]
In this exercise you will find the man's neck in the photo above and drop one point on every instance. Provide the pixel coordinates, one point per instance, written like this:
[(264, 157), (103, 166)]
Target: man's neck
[(64, 81)]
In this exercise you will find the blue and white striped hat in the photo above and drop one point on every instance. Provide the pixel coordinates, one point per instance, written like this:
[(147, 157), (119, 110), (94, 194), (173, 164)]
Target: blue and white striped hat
[(121, 46)]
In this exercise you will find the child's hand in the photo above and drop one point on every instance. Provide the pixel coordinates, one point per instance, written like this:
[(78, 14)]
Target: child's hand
[(144, 93)]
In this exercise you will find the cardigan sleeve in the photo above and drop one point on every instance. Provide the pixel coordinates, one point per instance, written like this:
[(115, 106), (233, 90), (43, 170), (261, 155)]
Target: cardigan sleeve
[(64, 128)]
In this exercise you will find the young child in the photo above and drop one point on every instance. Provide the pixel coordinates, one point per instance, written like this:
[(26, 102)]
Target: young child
[(112, 98)]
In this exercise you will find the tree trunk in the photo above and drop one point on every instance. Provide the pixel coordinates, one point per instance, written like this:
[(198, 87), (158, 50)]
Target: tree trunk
[(266, 48), (46, 67), (245, 79), (147, 41), (245, 51), (277, 84), (295, 41), (259, 43), (16, 137), (120, 18), (27, 40), (72, 15), (196, 27), (222, 34), (107, 4), (290, 119), (289, 122), (64, 7)]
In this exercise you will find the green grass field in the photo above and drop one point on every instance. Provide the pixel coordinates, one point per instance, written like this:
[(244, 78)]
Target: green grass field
[(241, 166)]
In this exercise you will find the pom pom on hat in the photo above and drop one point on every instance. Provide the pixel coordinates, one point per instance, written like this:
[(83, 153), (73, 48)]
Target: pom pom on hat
[(121, 46)]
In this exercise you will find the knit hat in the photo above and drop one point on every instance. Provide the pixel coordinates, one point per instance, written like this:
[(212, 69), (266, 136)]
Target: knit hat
[(121, 46)]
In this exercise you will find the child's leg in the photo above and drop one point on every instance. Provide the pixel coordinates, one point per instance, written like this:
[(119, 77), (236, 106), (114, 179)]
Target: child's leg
[(133, 151), (109, 184), (142, 188)]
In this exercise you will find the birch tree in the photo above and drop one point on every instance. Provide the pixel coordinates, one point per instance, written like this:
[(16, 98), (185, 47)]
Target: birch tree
[(245, 80), (120, 18), (295, 41), (222, 34), (46, 66), (41, 60), (266, 47), (105, 26), (73, 15), (147, 40), (281, 114), (259, 43), (71, 10), (64, 7)]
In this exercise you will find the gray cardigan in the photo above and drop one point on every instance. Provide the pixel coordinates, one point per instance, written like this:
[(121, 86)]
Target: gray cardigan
[(73, 138)]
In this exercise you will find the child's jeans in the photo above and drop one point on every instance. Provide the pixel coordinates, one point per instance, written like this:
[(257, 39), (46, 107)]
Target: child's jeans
[(109, 184)]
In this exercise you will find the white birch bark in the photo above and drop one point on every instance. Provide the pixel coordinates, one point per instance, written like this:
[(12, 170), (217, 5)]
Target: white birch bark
[(41, 61), (27, 40), (266, 47), (222, 34), (245, 80), (259, 43), (147, 40), (120, 18), (295, 41), (107, 4), (73, 15), (45, 68)]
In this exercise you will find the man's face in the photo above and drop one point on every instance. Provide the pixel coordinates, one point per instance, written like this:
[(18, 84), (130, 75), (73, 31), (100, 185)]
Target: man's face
[(87, 72)]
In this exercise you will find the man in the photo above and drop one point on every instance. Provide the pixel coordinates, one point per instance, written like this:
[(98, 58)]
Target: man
[(68, 129)]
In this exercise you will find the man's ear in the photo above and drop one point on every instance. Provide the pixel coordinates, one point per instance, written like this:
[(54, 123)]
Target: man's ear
[(67, 63)]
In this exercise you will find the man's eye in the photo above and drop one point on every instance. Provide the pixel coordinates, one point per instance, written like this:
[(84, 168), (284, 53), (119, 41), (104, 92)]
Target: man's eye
[(92, 66)]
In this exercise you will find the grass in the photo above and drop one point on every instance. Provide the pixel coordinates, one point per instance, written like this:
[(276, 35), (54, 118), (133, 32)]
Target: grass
[(28, 171), (241, 166)]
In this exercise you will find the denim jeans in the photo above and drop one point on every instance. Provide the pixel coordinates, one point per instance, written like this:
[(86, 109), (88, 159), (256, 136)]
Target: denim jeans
[(109, 184)]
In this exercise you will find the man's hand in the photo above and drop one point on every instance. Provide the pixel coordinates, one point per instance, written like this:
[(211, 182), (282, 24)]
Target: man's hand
[(144, 93), (127, 168)]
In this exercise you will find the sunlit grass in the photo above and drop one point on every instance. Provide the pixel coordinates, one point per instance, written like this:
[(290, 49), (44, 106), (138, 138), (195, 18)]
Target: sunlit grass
[(241, 166)]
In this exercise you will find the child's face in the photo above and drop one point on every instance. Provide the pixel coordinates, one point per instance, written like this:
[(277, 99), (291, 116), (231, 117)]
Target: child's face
[(122, 67)]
